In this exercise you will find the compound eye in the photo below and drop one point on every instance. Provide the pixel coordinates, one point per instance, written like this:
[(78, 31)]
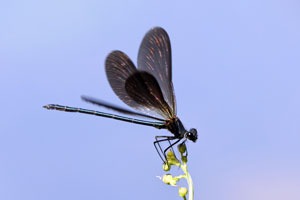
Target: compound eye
[(193, 131), (192, 135)]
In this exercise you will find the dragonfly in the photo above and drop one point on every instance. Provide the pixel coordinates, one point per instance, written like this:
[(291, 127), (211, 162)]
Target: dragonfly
[(147, 88)]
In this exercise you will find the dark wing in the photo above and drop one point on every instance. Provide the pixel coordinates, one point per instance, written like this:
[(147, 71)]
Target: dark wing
[(143, 88), (119, 67), (155, 58), (115, 107), (139, 90)]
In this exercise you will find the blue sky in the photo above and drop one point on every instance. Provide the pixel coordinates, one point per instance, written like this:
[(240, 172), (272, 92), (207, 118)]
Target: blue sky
[(236, 77)]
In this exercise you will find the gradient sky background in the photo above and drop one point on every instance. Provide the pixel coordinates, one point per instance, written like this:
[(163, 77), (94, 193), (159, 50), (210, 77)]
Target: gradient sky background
[(236, 68)]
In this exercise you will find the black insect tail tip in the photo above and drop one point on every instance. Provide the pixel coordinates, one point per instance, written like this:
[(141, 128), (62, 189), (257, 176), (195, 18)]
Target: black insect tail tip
[(84, 98), (46, 106)]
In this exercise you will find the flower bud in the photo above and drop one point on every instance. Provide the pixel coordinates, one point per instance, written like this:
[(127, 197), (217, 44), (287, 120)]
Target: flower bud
[(182, 191), (182, 148)]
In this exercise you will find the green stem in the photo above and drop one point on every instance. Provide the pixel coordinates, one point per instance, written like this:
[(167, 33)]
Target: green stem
[(189, 180), (191, 187)]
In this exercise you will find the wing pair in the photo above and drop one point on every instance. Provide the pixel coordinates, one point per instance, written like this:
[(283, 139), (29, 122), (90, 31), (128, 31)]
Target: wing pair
[(149, 87)]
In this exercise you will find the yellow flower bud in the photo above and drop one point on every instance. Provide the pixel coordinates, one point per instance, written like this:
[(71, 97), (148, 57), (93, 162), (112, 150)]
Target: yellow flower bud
[(182, 191)]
